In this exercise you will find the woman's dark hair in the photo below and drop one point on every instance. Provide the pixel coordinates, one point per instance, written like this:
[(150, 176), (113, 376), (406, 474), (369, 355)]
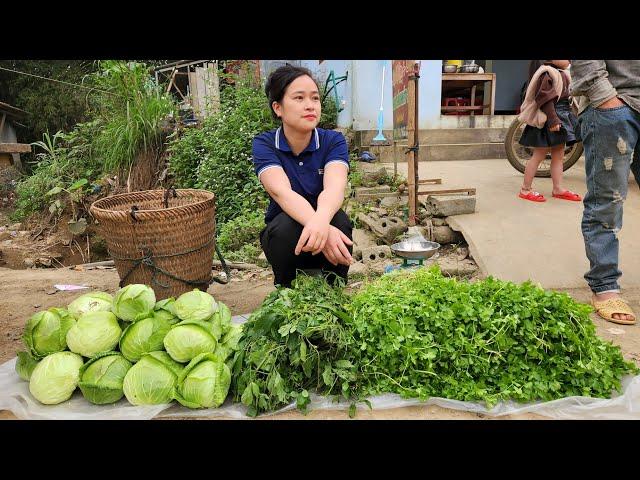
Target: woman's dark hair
[(279, 80), (534, 65)]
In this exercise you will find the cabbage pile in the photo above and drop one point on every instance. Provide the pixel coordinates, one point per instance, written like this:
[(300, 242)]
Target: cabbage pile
[(130, 345)]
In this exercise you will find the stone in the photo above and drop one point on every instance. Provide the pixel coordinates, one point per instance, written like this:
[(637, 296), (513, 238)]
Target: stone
[(262, 261), (45, 261), (357, 268), (375, 254), (438, 222), (6, 243), (447, 205), (361, 239), (15, 226), (381, 212), (426, 210), (444, 235), (374, 177), (393, 202), (28, 262), (371, 193), (452, 267), (461, 253)]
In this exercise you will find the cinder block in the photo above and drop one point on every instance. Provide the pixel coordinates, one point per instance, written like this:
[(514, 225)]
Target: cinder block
[(374, 254)]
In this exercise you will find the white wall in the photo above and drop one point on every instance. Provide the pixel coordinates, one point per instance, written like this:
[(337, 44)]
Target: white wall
[(367, 81), (340, 67), (361, 90)]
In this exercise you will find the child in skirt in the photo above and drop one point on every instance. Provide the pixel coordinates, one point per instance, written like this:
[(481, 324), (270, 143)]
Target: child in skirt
[(559, 129)]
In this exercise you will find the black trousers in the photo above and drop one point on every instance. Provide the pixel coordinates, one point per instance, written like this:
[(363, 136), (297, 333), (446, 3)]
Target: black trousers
[(279, 239)]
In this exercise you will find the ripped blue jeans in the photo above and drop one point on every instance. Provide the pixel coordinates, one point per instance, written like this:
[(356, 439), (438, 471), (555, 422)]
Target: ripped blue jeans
[(612, 148)]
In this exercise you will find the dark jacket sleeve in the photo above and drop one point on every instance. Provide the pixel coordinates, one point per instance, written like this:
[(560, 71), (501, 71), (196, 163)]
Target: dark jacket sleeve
[(546, 99)]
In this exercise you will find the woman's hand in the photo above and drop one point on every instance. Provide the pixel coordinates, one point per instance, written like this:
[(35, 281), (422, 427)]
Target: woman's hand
[(335, 250), (555, 128), (314, 235)]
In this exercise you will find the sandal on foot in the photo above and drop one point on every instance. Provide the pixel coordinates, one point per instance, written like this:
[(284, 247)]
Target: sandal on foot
[(533, 196), (568, 195), (607, 308)]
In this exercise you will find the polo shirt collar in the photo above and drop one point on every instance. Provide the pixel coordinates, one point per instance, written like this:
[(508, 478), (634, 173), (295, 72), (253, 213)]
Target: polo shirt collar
[(282, 145)]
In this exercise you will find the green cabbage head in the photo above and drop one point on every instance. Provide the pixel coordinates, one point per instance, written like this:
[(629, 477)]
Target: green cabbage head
[(93, 333), (46, 332), (188, 339), (55, 378), (225, 317), (134, 302), (229, 342), (144, 336), (164, 309), (101, 378), (195, 305), (90, 302), (204, 383), (25, 365), (151, 381)]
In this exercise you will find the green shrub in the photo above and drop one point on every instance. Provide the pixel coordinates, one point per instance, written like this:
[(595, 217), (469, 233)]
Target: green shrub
[(123, 124), (217, 157), (132, 114), (239, 239), (63, 159)]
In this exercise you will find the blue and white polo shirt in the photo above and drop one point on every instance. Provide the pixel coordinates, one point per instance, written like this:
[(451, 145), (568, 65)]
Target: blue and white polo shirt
[(305, 171)]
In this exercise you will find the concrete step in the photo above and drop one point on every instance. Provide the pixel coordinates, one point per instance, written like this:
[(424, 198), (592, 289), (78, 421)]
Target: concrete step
[(442, 152)]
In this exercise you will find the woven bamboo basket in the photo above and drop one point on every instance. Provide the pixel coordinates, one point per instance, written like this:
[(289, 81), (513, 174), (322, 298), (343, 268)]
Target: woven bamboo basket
[(161, 238)]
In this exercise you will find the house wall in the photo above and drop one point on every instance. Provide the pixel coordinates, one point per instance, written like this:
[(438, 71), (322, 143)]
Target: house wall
[(360, 94), (510, 76)]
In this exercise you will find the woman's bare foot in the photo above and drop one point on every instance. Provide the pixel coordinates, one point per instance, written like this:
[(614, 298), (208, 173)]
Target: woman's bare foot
[(600, 297)]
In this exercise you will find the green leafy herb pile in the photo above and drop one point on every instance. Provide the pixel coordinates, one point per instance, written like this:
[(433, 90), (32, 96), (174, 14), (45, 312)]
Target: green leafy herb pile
[(420, 334), (293, 344)]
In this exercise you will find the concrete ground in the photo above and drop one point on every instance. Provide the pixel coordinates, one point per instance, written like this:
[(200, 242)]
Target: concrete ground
[(518, 240)]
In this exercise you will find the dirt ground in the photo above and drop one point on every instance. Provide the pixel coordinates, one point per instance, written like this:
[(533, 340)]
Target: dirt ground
[(23, 292)]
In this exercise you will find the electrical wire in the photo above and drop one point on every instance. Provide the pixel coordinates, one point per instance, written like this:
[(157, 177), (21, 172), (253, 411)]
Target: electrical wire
[(62, 81)]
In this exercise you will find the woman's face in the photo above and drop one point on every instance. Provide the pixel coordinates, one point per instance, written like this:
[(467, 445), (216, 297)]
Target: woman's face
[(300, 107), (563, 64)]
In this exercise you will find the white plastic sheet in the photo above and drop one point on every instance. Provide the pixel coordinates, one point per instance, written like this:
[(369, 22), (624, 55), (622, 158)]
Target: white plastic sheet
[(15, 397)]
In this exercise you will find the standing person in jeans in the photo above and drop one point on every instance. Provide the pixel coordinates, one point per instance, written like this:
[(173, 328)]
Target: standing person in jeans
[(610, 126), (304, 170)]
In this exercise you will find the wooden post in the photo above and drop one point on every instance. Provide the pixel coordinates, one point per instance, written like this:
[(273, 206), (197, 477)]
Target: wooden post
[(412, 130)]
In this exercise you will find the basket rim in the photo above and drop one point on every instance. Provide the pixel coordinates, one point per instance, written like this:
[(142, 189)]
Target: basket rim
[(96, 208)]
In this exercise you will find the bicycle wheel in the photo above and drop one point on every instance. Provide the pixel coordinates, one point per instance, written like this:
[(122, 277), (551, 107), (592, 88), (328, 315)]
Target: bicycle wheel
[(518, 155)]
